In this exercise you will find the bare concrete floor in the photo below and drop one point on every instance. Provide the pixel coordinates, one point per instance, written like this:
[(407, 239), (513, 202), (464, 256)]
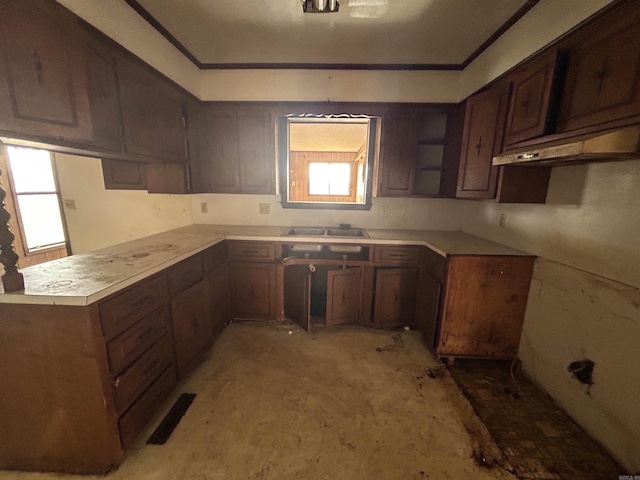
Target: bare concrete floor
[(277, 403)]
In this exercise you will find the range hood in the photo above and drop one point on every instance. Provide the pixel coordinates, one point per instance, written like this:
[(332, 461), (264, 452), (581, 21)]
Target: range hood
[(622, 144)]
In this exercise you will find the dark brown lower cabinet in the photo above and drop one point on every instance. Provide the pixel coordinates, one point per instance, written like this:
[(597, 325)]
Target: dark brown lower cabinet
[(297, 295), (218, 285), (428, 307), (483, 306), (192, 326), (253, 290), (395, 296), (344, 295)]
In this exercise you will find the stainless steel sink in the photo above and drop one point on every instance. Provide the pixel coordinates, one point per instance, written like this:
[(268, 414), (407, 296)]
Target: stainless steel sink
[(346, 232), (325, 232), (304, 231)]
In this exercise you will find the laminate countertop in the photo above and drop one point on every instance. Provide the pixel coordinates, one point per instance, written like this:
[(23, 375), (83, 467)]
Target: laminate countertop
[(87, 278)]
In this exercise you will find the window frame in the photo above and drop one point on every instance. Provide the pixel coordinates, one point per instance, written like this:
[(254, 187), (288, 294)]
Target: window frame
[(283, 122), (15, 196)]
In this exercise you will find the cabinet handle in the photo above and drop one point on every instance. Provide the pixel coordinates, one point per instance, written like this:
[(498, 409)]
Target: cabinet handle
[(142, 302), (343, 297)]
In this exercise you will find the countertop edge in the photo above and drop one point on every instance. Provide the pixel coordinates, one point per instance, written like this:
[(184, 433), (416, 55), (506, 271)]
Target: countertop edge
[(217, 237)]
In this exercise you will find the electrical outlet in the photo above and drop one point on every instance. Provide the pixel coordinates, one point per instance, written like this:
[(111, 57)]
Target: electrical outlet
[(204, 208), (69, 204), (384, 212), (503, 220), (264, 208)]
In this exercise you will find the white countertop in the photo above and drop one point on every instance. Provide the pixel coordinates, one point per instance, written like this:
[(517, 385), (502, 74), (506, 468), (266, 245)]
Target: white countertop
[(86, 278)]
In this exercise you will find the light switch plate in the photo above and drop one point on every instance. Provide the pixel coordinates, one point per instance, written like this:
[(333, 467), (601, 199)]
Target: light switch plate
[(264, 208), (69, 204)]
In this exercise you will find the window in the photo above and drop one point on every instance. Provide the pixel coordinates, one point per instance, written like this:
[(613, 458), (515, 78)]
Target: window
[(326, 161), (330, 179), (37, 198)]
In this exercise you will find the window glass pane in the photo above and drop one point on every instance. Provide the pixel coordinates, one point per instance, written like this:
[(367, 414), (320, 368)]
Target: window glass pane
[(340, 179), (41, 220), (329, 178), (319, 178), (31, 170)]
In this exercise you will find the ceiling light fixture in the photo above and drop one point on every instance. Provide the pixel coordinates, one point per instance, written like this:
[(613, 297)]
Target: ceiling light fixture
[(320, 6)]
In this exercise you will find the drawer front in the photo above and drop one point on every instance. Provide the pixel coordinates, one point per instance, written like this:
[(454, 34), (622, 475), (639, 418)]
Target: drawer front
[(254, 251), (137, 417), (131, 343), (435, 264), (214, 256), (134, 380), (397, 254), (184, 274), (120, 312)]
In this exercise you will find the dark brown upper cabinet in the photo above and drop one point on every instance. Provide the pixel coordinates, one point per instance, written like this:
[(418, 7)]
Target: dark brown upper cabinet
[(140, 110), (478, 178), (122, 175), (398, 150), (602, 81), (241, 150), (256, 137), (419, 152), (532, 100), (173, 126), (484, 121), (43, 91), (104, 97), (223, 159)]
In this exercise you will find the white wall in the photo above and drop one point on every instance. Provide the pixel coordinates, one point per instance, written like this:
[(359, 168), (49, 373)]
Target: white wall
[(107, 217), (585, 299), (408, 213)]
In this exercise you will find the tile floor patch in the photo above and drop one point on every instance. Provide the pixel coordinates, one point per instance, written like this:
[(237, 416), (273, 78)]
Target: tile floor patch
[(539, 440)]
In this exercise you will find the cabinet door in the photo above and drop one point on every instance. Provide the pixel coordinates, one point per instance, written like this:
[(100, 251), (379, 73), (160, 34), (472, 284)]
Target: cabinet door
[(104, 99), (344, 295), (198, 151), (256, 152), (428, 308), (43, 91), (253, 290), (220, 295), (173, 134), (297, 295), (191, 320), (398, 155), (602, 74), (140, 113), (484, 306), (120, 175), (481, 140), (395, 297), (531, 100), (224, 160)]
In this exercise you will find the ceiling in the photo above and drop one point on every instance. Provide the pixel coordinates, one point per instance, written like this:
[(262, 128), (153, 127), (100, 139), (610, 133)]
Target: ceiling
[(390, 34), (327, 137)]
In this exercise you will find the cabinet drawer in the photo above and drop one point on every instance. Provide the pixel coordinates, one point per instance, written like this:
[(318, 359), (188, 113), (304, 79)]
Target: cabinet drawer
[(435, 264), (184, 274), (254, 251), (397, 254), (214, 256), (134, 380), (128, 346), (137, 417), (120, 312)]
